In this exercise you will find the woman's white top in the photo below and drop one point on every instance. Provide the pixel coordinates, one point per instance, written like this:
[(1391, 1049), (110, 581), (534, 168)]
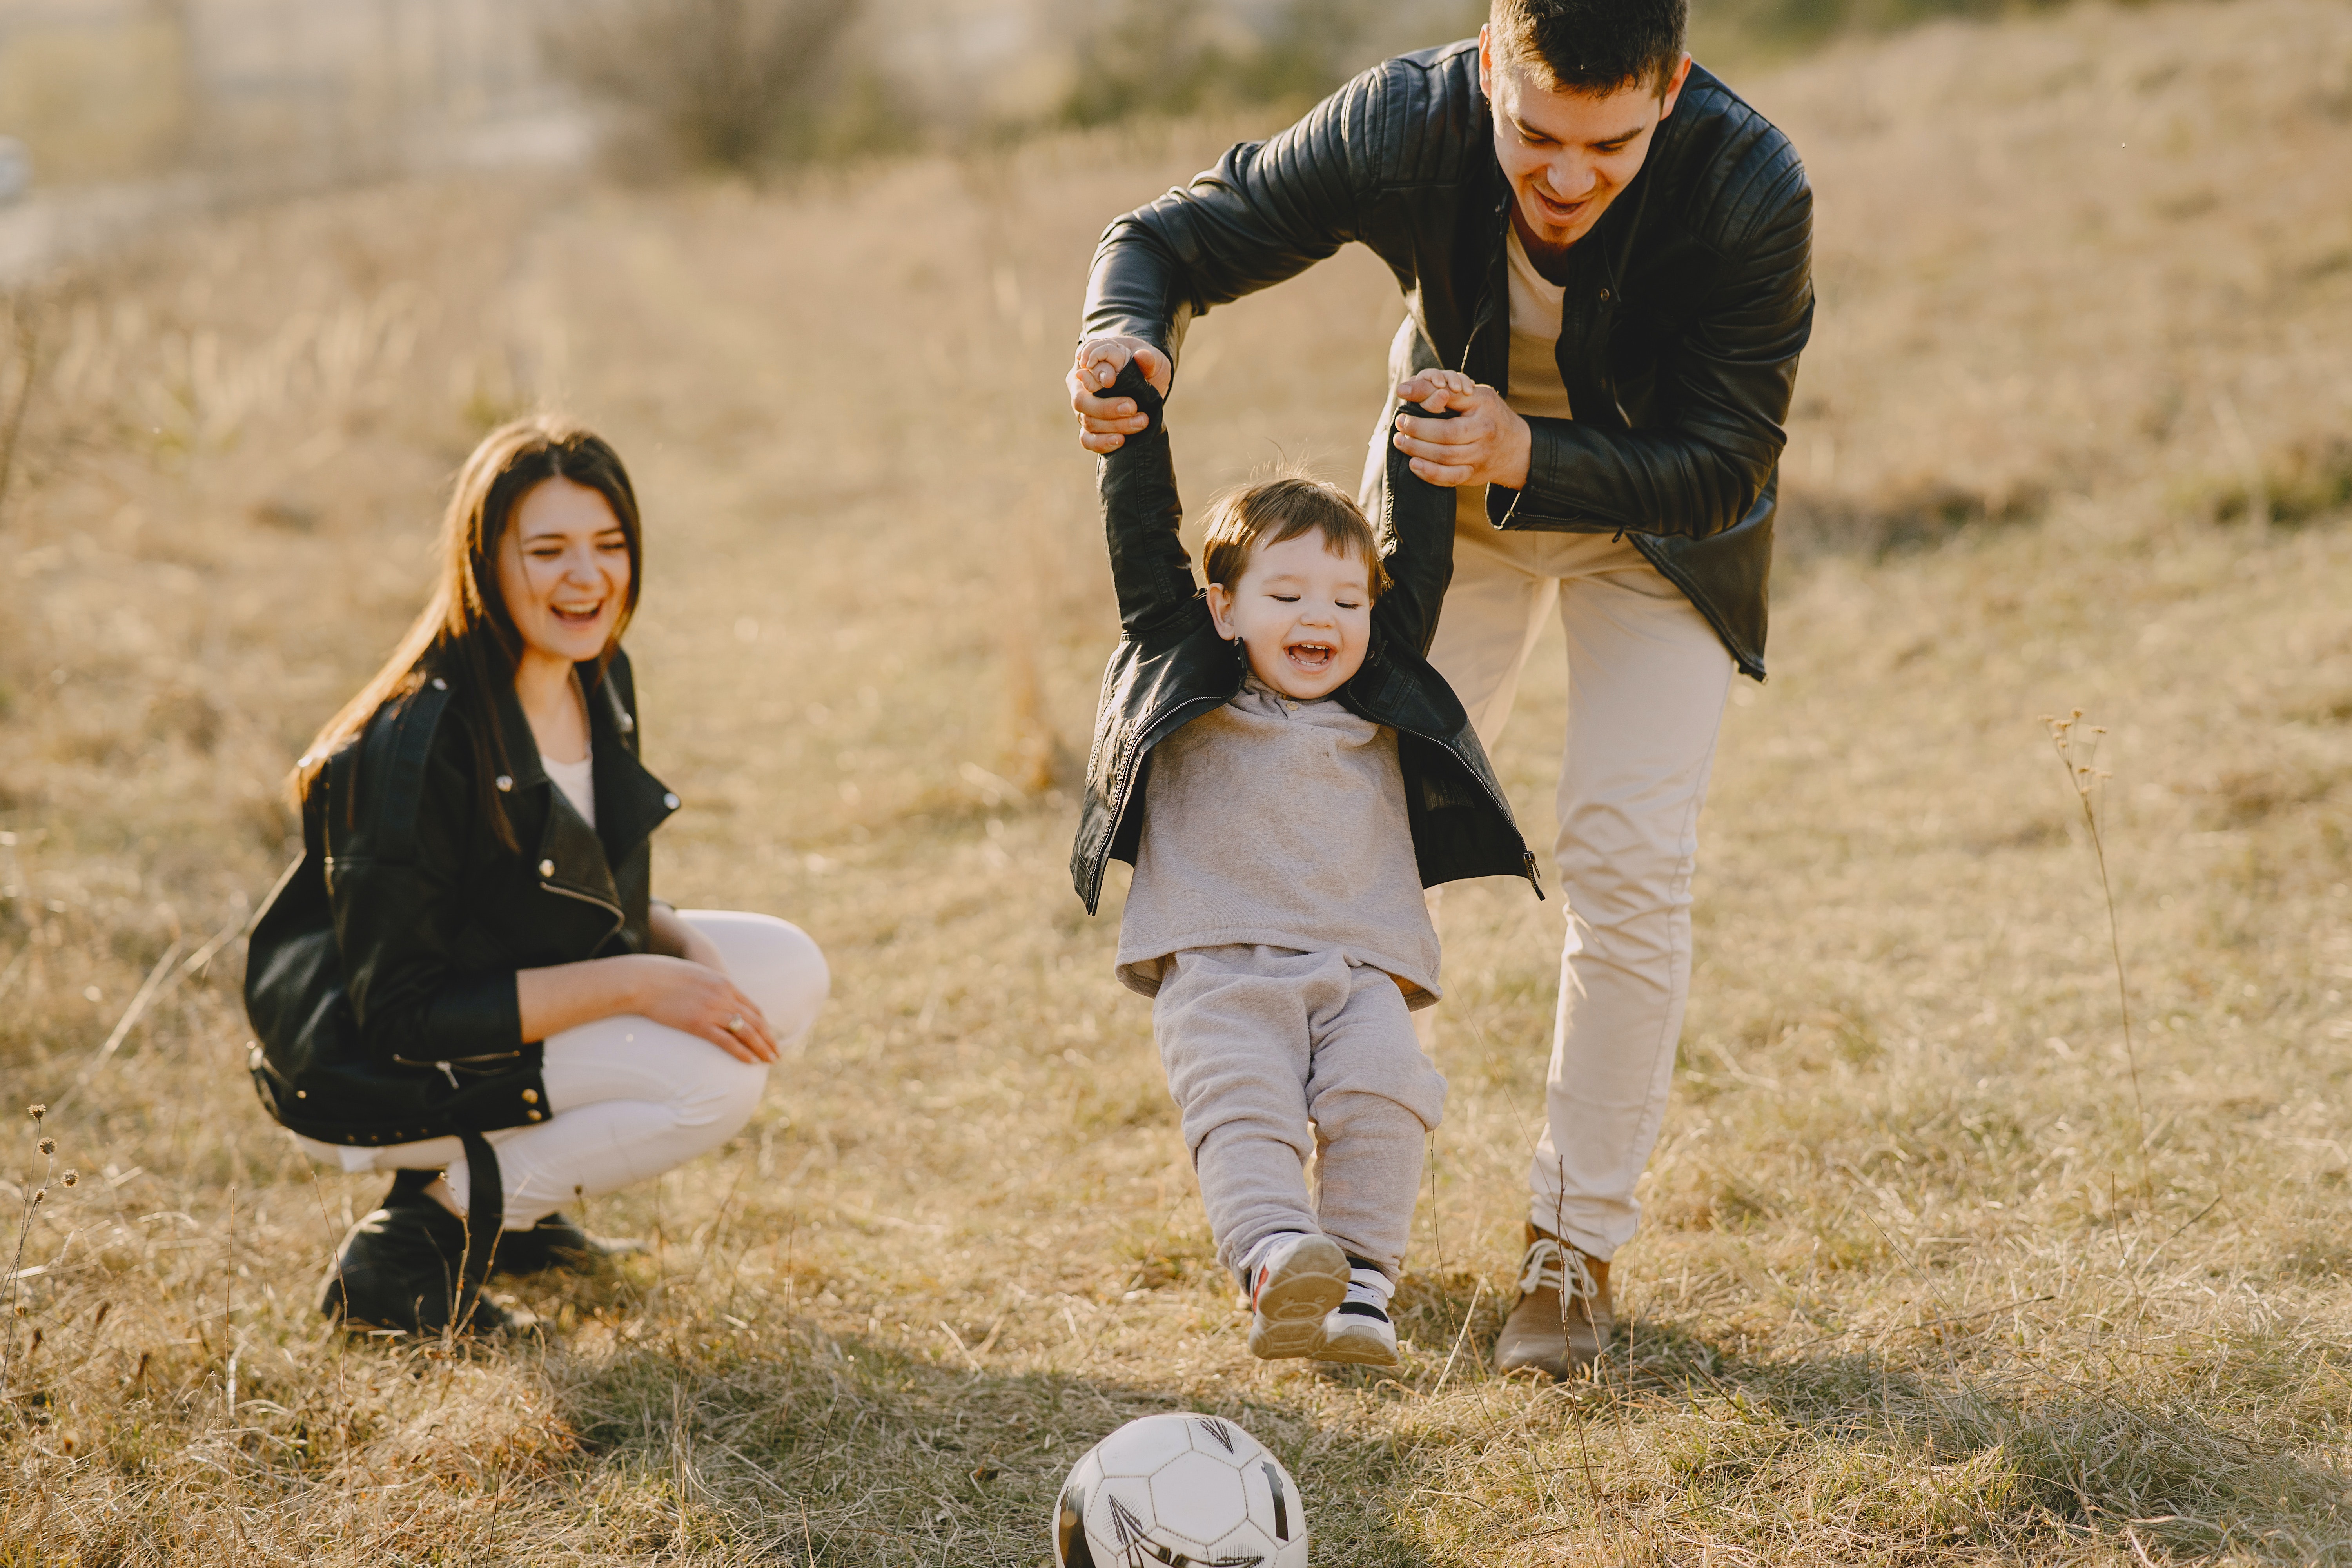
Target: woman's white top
[(578, 782)]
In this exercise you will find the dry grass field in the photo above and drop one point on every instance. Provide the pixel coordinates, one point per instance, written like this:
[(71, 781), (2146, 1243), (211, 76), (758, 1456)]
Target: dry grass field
[(1935, 1271)]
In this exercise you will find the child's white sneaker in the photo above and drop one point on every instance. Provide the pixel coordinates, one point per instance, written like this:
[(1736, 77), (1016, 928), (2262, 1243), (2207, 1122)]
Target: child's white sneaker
[(1358, 1330), (1359, 1333), (1294, 1281)]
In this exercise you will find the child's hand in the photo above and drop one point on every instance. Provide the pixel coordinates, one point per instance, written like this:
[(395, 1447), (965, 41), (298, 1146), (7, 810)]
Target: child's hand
[(1484, 443), (1106, 423), (1439, 389)]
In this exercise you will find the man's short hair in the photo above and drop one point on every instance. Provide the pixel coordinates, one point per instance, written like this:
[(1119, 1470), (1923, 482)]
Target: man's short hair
[(1593, 46), (1276, 509)]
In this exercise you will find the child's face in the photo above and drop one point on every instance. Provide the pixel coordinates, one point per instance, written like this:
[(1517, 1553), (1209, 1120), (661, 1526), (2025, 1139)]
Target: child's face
[(1304, 613)]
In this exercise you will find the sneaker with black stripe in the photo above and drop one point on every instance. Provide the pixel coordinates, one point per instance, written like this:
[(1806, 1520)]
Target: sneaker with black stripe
[(1358, 1331)]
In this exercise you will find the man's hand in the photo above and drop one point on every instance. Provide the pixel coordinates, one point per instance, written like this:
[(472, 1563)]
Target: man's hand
[(1486, 444), (1106, 423)]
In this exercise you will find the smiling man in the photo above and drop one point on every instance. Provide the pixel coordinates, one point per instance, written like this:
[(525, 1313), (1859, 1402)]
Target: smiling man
[(1618, 248)]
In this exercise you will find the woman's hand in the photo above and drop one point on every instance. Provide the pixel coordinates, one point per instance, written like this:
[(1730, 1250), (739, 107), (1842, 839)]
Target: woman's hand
[(687, 989), (1486, 442), (699, 999)]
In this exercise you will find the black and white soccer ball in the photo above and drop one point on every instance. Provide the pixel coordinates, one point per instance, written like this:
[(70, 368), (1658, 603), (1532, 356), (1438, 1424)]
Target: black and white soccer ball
[(1179, 1492)]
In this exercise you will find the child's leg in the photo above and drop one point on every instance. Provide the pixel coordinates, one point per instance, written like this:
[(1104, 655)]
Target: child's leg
[(1232, 1029), (1374, 1097)]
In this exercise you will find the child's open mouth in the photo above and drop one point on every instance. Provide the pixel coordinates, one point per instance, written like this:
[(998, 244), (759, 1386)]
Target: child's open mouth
[(1312, 656)]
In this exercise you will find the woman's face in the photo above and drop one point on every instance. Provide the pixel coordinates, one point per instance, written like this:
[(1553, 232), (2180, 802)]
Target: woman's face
[(563, 567)]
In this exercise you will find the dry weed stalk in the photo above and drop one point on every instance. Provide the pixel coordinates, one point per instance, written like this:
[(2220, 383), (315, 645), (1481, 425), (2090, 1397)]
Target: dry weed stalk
[(2078, 756), (33, 1200)]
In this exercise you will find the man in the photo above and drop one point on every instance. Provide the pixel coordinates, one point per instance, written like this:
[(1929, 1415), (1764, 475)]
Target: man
[(1618, 248)]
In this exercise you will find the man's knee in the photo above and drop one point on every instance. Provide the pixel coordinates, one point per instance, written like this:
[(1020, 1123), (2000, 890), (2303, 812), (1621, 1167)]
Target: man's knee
[(1614, 878)]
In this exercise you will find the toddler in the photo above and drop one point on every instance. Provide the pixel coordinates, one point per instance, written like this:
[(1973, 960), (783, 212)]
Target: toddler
[(1285, 771)]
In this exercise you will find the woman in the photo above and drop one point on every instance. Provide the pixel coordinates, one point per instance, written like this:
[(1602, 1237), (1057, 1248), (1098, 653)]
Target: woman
[(464, 979)]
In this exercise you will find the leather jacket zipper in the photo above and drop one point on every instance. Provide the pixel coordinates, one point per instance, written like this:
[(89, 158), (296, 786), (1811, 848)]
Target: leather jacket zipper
[(448, 1068), (619, 920)]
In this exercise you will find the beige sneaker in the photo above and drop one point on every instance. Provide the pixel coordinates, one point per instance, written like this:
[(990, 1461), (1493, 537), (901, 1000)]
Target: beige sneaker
[(1295, 1285), (1562, 1322), (1358, 1333)]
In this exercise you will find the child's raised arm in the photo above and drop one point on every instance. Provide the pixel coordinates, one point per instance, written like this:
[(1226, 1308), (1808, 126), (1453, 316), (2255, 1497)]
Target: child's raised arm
[(1416, 524), (1141, 514)]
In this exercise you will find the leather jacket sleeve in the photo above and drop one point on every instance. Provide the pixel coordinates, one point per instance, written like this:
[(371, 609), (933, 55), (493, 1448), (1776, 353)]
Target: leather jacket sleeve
[(398, 909), (1716, 392), (1158, 600), (1416, 531), (1267, 211), (1725, 388)]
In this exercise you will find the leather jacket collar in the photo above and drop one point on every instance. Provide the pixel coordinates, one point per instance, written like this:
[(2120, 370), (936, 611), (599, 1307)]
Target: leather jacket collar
[(573, 857)]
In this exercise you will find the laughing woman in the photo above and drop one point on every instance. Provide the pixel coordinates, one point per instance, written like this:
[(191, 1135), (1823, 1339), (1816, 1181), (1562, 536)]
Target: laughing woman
[(465, 980)]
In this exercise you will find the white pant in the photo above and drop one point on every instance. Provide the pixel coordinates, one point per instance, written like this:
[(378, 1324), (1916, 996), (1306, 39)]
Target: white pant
[(1647, 678), (630, 1099)]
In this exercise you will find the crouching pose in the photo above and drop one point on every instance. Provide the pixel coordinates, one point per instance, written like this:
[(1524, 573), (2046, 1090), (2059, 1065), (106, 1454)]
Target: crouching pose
[(1285, 771), (465, 980)]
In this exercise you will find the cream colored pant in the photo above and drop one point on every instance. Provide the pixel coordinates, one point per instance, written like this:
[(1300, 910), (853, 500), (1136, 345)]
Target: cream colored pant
[(1647, 678), (630, 1098)]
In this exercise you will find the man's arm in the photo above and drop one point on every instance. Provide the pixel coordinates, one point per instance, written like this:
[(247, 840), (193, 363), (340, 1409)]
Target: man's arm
[(1728, 387), (1729, 383), (1268, 211)]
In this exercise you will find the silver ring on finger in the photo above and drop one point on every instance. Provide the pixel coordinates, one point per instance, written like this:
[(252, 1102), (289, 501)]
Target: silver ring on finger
[(735, 1024)]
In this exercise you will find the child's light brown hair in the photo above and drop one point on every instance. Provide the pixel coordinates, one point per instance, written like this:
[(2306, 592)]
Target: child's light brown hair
[(1276, 509)]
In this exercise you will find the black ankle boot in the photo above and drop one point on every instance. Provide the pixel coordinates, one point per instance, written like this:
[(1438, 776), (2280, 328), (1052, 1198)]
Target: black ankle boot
[(556, 1243), (399, 1268)]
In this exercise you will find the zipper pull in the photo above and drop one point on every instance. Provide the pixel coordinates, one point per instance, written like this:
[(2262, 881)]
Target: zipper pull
[(1534, 879), (450, 1073)]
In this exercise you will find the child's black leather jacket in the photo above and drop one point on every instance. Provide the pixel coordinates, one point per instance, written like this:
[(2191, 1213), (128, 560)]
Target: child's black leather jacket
[(1172, 668), (381, 977)]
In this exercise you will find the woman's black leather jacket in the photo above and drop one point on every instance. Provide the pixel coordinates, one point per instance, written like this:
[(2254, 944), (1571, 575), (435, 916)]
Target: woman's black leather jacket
[(1684, 313), (1172, 668), (381, 978)]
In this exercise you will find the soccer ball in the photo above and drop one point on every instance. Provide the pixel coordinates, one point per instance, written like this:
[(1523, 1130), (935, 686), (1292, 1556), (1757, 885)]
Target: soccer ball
[(1179, 1492)]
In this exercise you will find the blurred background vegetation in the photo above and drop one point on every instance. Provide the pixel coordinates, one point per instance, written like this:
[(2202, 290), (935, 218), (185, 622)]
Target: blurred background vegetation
[(273, 93)]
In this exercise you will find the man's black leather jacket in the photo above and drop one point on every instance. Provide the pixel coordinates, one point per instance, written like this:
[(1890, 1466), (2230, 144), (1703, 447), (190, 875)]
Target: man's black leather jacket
[(1171, 666), (1685, 306), (381, 978)]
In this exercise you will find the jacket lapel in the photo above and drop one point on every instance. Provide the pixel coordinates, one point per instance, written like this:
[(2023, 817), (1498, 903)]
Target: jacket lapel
[(630, 801), (570, 855)]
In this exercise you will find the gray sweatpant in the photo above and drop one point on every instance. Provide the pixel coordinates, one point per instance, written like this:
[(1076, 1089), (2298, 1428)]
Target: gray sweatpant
[(1260, 1043)]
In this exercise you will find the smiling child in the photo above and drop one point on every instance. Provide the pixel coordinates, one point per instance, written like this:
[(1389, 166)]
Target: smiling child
[(1285, 771)]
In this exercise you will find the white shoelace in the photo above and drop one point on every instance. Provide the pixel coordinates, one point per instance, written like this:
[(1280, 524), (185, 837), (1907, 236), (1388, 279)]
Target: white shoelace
[(1549, 1263)]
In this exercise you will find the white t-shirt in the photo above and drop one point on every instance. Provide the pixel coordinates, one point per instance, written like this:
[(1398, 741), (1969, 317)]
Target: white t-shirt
[(1536, 390), (578, 782)]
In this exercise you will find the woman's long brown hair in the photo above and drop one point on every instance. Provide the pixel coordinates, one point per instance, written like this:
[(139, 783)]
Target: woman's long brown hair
[(466, 632)]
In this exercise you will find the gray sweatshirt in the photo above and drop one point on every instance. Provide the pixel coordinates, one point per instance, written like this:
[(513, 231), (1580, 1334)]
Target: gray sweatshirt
[(1271, 822)]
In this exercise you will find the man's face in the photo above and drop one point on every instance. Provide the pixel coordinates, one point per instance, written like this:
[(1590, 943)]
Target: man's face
[(1568, 155)]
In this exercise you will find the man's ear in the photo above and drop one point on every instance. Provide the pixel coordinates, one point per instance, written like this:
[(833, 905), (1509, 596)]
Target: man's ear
[(1487, 60), (1673, 87)]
